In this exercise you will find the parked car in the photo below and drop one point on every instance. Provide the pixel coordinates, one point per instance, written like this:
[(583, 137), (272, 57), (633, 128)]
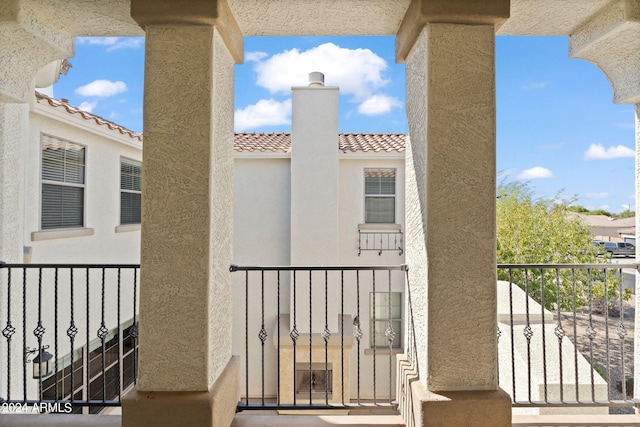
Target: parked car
[(616, 248)]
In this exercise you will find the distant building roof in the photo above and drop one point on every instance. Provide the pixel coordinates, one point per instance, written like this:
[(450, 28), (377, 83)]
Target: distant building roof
[(258, 141)]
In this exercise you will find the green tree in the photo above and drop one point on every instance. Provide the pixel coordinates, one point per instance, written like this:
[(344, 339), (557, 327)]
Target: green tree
[(540, 231)]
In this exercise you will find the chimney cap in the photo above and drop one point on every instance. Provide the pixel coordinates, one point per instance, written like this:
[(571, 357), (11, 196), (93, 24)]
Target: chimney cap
[(316, 79)]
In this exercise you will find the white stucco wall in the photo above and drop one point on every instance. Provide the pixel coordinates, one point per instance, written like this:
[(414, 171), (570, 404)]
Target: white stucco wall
[(104, 149)]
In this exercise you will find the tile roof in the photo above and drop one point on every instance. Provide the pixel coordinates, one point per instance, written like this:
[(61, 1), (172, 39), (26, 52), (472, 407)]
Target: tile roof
[(88, 116), (274, 142), (259, 141)]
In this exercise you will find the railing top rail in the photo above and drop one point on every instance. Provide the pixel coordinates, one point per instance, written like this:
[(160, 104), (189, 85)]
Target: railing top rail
[(55, 265), (633, 265), (234, 268)]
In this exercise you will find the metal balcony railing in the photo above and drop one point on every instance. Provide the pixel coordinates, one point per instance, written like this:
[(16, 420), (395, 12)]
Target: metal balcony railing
[(83, 319), (380, 241), (564, 335), (318, 337)]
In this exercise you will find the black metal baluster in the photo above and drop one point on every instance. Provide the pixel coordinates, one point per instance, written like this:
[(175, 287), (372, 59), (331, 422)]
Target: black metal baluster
[(102, 333), (71, 332), (622, 333), (39, 330), (24, 332), (310, 343), (373, 332), (87, 346), (326, 334), (278, 326), (342, 336), (391, 335), (246, 336), (263, 333), (544, 343), (528, 333), (8, 332), (55, 330), (134, 329), (591, 334), (575, 332), (559, 332), (357, 332), (294, 336), (606, 331), (118, 339), (513, 357)]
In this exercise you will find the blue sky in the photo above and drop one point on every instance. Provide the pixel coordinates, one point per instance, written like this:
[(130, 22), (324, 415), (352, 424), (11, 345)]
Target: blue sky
[(557, 126)]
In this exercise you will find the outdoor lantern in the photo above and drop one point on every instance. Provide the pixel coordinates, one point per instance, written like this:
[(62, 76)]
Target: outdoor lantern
[(42, 364)]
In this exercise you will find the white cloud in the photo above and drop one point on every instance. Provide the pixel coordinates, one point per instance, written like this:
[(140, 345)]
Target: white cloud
[(598, 152), (535, 85), (605, 207), (358, 72), (597, 195), (378, 104), (102, 88), (255, 56), (113, 43), (535, 173), (266, 112), (88, 106)]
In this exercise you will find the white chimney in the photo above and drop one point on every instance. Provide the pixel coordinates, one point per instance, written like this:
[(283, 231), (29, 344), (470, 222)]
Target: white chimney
[(314, 181)]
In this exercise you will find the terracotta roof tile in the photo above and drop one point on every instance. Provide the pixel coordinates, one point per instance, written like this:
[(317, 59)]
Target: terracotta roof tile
[(258, 141), (89, 116), (376, 142)]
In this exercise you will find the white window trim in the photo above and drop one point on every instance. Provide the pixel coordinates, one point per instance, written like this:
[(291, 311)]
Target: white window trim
[(130, 226), (372, 324), (365, 195), (59, 233)]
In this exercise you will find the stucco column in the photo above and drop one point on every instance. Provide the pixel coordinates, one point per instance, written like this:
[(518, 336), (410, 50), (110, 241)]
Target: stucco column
[(187, 375), (28, 41), (450, 190)]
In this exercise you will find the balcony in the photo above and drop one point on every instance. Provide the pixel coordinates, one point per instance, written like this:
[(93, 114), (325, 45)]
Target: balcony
[(565, 342)]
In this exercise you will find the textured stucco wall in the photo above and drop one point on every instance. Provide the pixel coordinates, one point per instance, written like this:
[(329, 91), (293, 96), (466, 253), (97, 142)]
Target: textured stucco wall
[(451, 110), (187, 213), (13, 133), (611, 41)]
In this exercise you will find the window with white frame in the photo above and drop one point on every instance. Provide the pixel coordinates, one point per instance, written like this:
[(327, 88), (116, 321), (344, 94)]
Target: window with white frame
[(380, 196), (385, 312), (130, 191), (63, 183)]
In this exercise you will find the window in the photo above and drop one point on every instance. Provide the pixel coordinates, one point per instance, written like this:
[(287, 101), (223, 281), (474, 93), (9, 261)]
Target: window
[(63, 183), (386, 310), (380, 196), (130, 191)]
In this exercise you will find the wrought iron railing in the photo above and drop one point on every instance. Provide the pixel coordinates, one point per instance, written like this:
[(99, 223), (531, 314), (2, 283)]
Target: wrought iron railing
[(81, 317), (563, 335), (380, 241), (318, 337)]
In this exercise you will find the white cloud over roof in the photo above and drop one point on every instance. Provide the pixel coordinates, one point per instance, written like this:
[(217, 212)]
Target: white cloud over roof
[(102, 88), (598, 152), (266, 112), (378, 104)]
